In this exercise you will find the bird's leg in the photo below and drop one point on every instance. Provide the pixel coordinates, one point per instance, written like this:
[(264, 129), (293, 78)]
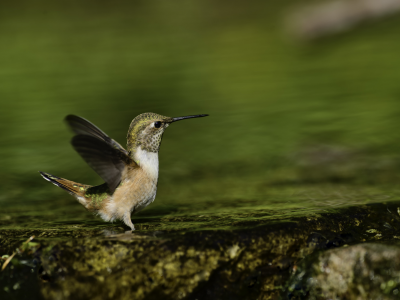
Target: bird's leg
[(128, 221)]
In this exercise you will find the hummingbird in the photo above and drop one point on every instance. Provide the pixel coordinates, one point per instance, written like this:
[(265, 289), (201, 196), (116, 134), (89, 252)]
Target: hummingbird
[(130, 175)]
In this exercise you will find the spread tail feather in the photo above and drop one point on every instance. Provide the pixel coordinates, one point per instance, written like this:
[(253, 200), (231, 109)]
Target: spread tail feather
[(73, 188)]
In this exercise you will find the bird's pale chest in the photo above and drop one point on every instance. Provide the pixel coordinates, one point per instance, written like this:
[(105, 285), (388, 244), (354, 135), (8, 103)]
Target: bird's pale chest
[(138, 186)]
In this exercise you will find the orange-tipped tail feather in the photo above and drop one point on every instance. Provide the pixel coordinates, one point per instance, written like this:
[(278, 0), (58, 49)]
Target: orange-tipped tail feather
[(73, 188), (93, 198)]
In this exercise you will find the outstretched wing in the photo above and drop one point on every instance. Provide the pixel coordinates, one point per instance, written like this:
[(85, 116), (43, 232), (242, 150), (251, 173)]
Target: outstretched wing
[(82, 126), (106, 157)]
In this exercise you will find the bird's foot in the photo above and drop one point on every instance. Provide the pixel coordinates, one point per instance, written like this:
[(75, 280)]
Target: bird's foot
[(128, 221)]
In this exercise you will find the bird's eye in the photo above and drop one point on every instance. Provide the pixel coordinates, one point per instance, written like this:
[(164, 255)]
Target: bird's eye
[(157, 124)]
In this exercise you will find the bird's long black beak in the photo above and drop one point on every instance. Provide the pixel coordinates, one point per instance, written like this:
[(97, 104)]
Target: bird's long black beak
[(187, 117)]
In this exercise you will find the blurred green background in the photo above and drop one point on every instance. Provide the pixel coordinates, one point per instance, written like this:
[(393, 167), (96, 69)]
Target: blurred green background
[(283, 114)]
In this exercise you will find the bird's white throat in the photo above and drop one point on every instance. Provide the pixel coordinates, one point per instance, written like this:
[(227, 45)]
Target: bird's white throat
[(148, 161)]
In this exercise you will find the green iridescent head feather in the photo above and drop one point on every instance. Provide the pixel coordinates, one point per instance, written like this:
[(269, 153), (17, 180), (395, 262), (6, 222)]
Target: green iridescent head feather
[(140, 134), (146, 133)]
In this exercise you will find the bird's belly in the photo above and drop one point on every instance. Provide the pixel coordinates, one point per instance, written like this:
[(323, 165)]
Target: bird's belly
[(132, 196), (142, 204)]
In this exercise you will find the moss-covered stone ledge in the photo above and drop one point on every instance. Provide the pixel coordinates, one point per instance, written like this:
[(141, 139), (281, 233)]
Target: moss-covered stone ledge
[(363, 271), (251, 262)]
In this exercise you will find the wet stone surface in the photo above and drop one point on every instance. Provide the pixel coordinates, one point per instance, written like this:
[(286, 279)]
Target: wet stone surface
[(364, 271), (246, 262)]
